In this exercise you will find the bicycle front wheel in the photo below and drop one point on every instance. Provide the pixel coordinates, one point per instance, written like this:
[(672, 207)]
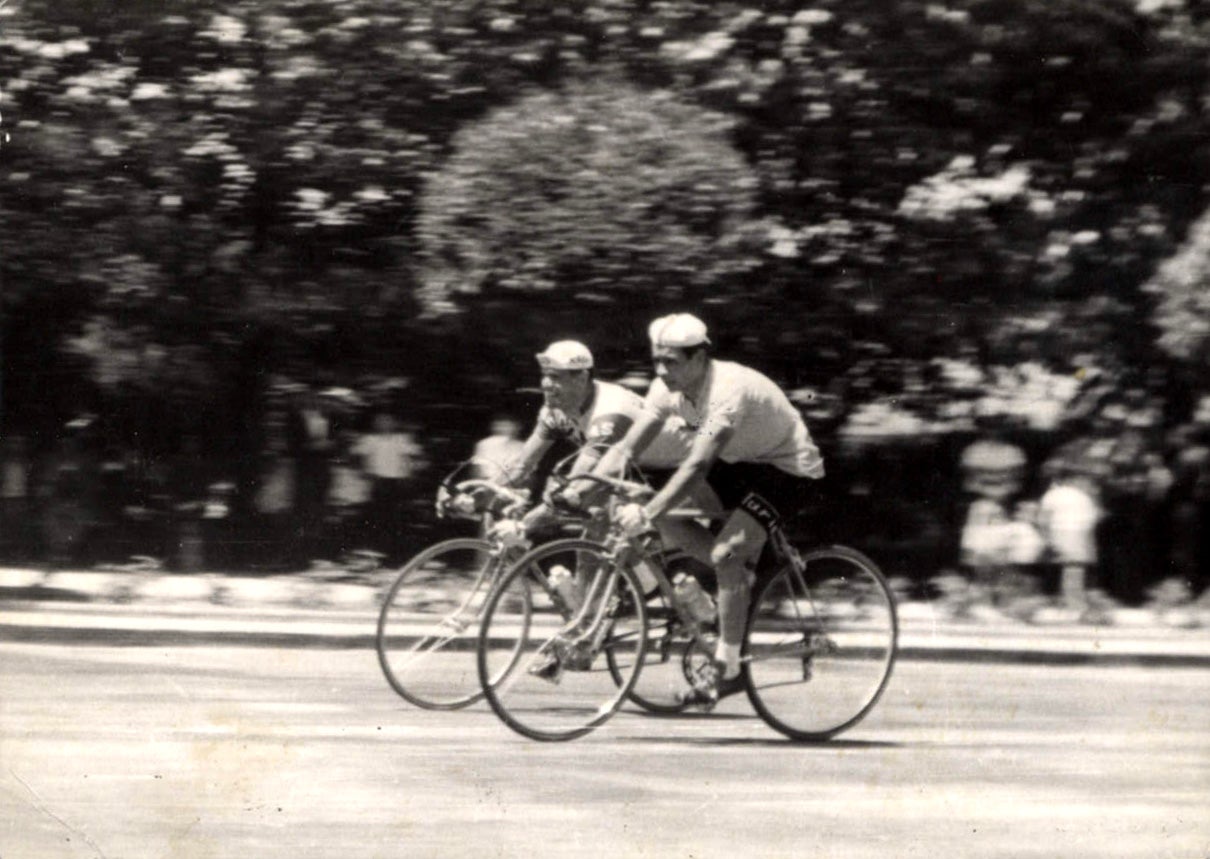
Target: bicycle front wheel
[(564, 672), (428, 626), (821, 644)]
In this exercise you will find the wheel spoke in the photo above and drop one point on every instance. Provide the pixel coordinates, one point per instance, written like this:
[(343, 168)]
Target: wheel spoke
[(821, 644)]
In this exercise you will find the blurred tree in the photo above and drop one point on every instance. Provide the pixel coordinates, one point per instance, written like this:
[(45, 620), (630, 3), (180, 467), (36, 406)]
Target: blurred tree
[(599, 191), (1181, 287), (219, 190)]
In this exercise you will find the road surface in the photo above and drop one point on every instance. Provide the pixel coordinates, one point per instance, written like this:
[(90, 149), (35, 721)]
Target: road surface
[(183, 752)]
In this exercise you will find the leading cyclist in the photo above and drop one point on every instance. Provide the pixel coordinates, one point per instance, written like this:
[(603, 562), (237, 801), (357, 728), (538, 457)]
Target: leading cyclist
[(747, 442)]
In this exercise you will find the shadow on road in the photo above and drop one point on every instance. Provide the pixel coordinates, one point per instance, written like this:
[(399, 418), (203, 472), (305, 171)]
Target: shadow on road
[(757, 742), (775, 741), (689, 714)]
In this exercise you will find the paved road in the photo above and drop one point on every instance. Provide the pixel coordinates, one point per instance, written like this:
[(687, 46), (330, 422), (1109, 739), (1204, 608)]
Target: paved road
[(189, 752)]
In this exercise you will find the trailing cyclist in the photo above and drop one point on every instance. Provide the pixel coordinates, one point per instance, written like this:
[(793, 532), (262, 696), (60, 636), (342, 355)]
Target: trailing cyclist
[(593, 415)]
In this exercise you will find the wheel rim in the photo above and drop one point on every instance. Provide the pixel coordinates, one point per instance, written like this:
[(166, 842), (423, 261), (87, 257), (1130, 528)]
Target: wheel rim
[(428, 626), (821, 646)]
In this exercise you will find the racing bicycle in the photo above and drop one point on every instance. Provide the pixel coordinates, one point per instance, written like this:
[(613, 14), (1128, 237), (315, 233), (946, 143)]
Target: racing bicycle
[(818, 651), (428, 623)]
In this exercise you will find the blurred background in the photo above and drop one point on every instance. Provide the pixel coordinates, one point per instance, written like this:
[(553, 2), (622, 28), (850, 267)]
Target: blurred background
[(270, 269)]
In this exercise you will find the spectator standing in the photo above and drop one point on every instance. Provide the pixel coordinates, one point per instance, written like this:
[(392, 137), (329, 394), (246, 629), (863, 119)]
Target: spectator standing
[(494, 454), (190, 490), (1068, 515), (1190, 456), (312, 442), (68, 491), (349, 494), (15, 498), (1134, 487), (993, 540), (390, 457), (273, 502)]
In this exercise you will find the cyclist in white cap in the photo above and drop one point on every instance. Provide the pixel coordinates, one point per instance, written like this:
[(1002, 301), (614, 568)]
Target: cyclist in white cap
[(592, 415), (588, 413), (747, 442)]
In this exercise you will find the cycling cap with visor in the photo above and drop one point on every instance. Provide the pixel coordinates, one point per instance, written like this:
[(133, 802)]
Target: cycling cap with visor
[(565, 355), (678, 331)]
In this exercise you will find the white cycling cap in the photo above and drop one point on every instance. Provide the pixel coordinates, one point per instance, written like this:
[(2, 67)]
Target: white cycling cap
[(678, 331), (565, 355)]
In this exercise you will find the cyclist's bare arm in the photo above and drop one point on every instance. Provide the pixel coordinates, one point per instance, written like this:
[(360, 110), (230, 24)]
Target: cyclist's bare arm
[(637, 439), (707, 445), (603, 434)]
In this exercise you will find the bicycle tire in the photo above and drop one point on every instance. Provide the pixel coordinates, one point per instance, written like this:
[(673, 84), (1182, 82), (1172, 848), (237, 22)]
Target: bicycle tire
[(428, 625), (662, 685), (547, 680), (821, 644)]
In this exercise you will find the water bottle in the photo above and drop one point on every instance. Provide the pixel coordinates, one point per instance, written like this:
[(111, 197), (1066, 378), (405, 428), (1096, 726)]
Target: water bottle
[(692, 598), (646, 575), (564, 584)]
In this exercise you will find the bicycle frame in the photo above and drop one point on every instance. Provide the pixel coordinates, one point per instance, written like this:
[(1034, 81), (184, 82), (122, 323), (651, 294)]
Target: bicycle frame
[(622, 550)]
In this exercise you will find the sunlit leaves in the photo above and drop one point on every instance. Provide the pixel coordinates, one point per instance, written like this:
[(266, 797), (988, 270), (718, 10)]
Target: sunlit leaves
[(600, 185)]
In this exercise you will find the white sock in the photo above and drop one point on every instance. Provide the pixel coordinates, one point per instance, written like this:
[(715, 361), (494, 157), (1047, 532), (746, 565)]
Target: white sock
[(728, 654)]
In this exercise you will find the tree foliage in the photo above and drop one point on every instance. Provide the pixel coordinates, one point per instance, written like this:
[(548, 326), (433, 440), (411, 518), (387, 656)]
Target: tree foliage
[(190, 189), (596, 188), (1182, 288)]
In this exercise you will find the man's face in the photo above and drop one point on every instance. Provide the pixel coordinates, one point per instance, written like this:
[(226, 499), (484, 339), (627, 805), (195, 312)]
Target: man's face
[(564, 389), (679, 371)]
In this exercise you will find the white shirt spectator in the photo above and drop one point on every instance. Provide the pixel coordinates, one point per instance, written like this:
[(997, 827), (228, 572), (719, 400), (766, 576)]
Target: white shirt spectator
[(495, 454), (15, 482), (388, 455), (1068, 516)]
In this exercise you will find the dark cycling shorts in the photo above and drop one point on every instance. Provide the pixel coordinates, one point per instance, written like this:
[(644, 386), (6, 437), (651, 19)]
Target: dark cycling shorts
[(761, 490)]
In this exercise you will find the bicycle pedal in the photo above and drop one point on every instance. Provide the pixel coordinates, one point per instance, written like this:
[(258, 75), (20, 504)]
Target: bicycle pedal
[(550, 670)]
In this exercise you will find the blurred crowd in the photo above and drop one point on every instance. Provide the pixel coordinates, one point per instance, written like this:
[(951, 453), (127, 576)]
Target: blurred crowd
[(1117, 514), (1091, 496), (335, 476)]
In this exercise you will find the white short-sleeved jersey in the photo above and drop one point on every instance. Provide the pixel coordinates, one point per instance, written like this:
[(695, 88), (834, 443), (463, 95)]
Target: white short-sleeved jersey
[(609, 414), (765, 425)]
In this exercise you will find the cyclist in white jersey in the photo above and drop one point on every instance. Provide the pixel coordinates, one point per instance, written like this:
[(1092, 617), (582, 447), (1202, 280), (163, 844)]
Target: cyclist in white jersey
[(747, 442)]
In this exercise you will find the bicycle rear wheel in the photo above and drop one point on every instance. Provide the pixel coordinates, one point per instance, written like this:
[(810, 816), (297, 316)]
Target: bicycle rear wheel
[(554, 678), (428, 626), (662, 683), (821, 644)]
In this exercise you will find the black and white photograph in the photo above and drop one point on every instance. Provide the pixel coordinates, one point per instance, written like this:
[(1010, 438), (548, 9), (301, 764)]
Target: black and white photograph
[(655, 429)]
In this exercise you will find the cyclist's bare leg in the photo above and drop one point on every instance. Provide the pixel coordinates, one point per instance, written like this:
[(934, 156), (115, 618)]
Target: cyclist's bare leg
[(734, 555), (690, 535), (587, 567)]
